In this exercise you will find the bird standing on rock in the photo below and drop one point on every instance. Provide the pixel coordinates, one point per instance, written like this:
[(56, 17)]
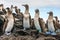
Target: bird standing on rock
[(42, 24), (13, 9), (26, 18), (2, 18), (10, 22), (51, 28), (36, 21), (57, 25)]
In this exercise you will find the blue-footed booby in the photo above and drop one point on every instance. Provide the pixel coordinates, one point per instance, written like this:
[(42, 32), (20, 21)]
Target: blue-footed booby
[(51, 28), (36, 20), (26, 18), (57, 25), (10, 22), (13, 9), (19, 19), (2, 18), (42, 24)]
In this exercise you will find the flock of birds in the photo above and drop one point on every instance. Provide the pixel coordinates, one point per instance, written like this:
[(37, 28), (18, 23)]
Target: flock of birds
[(12, 20)]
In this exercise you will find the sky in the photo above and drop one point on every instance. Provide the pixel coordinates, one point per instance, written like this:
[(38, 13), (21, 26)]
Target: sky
[(44, 6)]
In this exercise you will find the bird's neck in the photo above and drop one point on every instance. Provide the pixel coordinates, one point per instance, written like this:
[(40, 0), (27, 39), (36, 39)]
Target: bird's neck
[(0, 9), (36, 14), (56, 19), (27, 11), (50, 17)]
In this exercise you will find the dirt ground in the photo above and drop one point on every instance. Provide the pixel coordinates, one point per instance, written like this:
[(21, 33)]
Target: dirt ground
[(27, 37)]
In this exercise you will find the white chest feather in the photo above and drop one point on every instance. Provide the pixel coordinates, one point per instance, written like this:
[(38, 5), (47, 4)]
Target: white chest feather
[(9, 24), (26, 23), (51, 25), (36, 23)]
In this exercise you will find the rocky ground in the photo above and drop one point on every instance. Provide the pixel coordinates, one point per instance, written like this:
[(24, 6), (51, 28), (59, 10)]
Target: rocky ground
[(27, 37), (12, 37), (17, 36)]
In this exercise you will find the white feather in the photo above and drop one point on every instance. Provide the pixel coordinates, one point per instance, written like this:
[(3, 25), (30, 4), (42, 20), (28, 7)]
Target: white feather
[(36, 23), (51, 25), (26, 23), (10, 24)]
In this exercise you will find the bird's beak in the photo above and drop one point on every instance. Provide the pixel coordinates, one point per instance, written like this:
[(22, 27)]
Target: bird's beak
[(23, 5), (54, 16), (47, 12)]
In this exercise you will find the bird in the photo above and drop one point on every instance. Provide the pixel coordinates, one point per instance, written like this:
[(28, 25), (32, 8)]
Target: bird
[(19, 21), (26, 17), (42, 24), (51, 28), (57, 25), (2, 18), (10, 22), (36, 21), (32, 24), (13, 9)]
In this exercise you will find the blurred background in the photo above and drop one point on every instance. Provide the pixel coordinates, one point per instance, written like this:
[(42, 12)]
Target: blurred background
[(43, 5)]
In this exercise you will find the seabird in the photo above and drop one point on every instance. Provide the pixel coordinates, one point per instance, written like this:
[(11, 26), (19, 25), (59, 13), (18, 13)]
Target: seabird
[(32, 24), (19, 19), (10, 22), (57, 25), (13, 9), (26, 18), (2, 16), (42, 24), (51, 28), (36, 21)]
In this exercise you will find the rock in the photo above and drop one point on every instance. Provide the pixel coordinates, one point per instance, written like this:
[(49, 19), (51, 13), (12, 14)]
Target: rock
[(5, 38), (46, 38), (12, 38)]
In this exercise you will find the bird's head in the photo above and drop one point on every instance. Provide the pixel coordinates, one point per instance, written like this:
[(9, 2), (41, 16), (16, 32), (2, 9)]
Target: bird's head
[(26, 6), (37, 10)]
